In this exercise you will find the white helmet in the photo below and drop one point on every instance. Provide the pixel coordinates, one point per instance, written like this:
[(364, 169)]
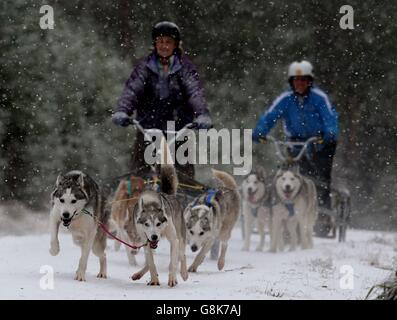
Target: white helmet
[(303, 68)]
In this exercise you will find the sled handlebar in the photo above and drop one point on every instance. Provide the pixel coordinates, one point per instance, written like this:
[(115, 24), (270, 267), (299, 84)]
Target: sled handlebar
[(290, 144), (146, 132)]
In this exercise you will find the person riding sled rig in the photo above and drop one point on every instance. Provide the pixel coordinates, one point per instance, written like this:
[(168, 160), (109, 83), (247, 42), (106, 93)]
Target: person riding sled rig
[(163, 86), (307, 112)]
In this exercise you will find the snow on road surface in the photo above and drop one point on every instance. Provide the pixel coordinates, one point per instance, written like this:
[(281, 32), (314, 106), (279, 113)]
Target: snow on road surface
[(310, 274)]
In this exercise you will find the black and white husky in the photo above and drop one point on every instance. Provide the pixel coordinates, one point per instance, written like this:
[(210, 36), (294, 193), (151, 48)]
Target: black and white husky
[(76, 203), (211, 217), (158, 214)]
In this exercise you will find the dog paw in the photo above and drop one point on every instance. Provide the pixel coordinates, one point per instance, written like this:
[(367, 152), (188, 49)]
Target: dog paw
[(154, 282), (80, 276), (54, 248), (136, 276), (172, 282), (184, 275), (101, 275), (221, 264), (192, 269)]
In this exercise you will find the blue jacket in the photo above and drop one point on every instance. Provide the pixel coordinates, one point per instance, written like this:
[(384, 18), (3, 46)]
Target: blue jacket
[(313, 116)]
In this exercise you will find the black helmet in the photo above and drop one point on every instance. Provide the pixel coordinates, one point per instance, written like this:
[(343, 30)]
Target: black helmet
[(166, 28)]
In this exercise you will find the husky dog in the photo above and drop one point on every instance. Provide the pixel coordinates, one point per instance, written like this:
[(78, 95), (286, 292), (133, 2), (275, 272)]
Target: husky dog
[(295, 204), (159, 214), (255, 198), (124, 200), (76, 202), (212, 216)]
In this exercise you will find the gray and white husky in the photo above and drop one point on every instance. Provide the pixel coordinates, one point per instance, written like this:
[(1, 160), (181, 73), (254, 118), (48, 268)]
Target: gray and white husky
[(212, 216), (159, 214), (294, 205), (76, 201), (255, 209)]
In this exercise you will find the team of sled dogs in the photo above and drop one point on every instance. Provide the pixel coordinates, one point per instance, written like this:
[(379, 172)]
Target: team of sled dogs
[(141, 212)]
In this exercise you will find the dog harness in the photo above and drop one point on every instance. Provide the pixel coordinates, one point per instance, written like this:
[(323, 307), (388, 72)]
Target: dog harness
[(210, 194), (129, 187), (290, 208), (254, 212)]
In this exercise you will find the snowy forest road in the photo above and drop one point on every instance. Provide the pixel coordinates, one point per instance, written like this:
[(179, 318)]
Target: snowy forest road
[(319, 273)]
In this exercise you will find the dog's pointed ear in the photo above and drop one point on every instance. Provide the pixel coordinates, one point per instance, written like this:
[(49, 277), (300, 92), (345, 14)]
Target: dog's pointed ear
[(60, 179), (261, 173), (211, 213), (52, 196), (140, 204), (80, 180), (187, 210)]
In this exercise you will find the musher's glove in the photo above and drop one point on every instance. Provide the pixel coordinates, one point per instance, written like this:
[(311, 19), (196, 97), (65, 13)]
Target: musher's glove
[(320, 140), (262, 140), (121, 119), (202, 122)]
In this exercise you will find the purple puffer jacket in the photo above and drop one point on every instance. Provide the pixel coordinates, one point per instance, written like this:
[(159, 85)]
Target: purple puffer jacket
[(158, 99)]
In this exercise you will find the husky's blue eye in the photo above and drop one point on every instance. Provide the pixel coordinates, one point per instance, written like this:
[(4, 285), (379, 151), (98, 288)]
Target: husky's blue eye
[(74, 201), (62, 200)]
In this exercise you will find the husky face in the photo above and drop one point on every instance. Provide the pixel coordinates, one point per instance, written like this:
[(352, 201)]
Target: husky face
[(198, 225), (151, 219), (69, 197), (253, 188), (288, 184)]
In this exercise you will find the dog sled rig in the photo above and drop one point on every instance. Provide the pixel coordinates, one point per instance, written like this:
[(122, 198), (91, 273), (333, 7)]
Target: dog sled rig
[(328, 220), (188, 187), (188, 190)]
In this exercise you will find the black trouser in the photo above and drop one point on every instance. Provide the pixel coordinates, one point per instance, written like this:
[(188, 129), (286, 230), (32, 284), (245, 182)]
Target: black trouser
[(319, 168), (141, 168)]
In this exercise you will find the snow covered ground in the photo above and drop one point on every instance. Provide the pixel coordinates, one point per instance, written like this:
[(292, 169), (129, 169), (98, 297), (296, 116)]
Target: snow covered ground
[(309, 274)]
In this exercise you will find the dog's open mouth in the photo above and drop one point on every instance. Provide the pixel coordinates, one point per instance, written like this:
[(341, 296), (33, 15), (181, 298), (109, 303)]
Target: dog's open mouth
[(251, 195), (288, 193), (153, 244), (66, 222)]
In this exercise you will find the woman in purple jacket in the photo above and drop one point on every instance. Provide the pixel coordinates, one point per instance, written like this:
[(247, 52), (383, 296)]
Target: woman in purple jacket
[(164, 86)]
